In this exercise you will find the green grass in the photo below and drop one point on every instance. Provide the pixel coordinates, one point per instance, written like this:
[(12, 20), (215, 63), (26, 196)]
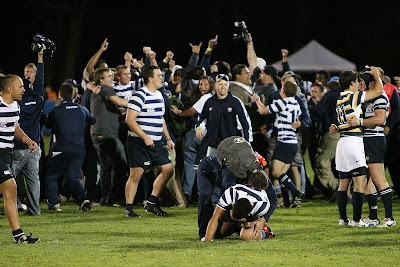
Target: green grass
[(103, 237)]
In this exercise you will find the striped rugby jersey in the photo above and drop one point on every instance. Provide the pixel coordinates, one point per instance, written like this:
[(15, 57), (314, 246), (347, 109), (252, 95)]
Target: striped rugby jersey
[(347, 106), (151, 109), (126, 91), (258, 199), (287, 112), (9, 117), (369, 107)]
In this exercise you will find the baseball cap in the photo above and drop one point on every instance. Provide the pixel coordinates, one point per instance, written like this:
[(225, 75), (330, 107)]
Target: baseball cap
[(222, 77), (73, 82), (333, 79)]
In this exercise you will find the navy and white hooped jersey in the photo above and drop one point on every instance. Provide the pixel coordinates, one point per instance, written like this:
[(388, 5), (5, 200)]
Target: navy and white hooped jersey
[(9, 117), (287, 112), (380, 102), (258, 199), (347, 106), (126, 91), (151, 109)]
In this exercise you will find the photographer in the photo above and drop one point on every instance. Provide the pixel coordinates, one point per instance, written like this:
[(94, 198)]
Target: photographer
[(31, 108)]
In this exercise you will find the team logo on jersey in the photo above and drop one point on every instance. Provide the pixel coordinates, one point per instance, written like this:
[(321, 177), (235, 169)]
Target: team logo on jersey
[(146, 163), (151, 110), (239, 140), (7, 172), (229, 109), (210, 108)]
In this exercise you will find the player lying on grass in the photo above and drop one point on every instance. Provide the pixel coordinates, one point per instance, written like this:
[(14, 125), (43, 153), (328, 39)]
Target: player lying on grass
[(244, 210)]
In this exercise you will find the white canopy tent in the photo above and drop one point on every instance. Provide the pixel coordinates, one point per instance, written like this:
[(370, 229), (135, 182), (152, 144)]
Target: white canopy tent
[(315, 57)]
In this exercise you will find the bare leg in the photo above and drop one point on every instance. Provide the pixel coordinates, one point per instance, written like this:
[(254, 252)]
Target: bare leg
[(132, 184), (9, 190)]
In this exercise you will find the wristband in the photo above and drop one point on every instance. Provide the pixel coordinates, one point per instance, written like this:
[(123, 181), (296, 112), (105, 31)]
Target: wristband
[(360, 122), (199, 127), (209, 49)]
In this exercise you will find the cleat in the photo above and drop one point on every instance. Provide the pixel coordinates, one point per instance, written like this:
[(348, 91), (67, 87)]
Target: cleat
[(153, 208), (296, 203), (374, 221), (387, 222), (131, 214), (56, 207), (268, 231), (344, 222), (85, 206), (361, 223), (27, 240)]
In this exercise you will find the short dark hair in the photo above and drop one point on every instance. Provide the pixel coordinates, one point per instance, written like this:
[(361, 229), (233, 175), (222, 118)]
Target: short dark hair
[(325, 73), (319, 85), (241, 208), (99, 62), (99, 74), (197, 72), (66, 91), (258, 180), (120, 68), (224, 68), (179, 72), (237, 70), (346, 77), (148, 72), (290, 88), (7, 81)]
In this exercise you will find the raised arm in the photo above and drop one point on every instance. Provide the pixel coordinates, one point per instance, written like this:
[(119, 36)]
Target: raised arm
[(93, 60), (251, 54), (378, 86)]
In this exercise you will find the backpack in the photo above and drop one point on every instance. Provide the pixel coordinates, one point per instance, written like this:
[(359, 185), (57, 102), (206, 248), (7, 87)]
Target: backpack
[(177, 124)]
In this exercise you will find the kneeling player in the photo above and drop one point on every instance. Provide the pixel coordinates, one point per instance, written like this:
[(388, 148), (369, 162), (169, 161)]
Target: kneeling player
[(245, 210)]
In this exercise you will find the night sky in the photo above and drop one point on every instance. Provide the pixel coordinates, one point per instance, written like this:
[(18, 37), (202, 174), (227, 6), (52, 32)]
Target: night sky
[(363, 34)]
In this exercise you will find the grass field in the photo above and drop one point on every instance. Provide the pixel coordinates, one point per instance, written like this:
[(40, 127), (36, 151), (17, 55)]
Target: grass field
[(308, 236)]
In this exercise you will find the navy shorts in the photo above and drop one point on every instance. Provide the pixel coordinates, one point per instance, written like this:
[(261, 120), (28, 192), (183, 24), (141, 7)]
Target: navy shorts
[(375, 149), (354, 173), (5, 165), (285, 152), (140, 155)]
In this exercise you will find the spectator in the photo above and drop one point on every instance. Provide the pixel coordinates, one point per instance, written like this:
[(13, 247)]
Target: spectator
[(31, 105)]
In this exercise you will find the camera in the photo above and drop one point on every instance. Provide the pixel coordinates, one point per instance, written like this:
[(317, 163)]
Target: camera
[(38, 42), (244, 34)]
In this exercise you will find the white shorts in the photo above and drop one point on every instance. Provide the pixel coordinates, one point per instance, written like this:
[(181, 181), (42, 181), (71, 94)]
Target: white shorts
[(350, 154)]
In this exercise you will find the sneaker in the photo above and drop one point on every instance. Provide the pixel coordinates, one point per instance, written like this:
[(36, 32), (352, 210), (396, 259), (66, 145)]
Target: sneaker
[(282, 205), (296, 203), (344, 222), (26, 240), (56, 207), (131, 214), (387, 222), (85, 206), (374, 221), (268, 231), (361, 223), (153, 208)]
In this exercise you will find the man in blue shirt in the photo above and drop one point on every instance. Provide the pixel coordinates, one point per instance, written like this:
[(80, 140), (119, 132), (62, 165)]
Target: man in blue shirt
[(68, 153)]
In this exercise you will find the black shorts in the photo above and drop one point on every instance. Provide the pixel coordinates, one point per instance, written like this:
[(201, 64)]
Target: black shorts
[(375, 149), (5, 165), (285, 152), (140, 155)]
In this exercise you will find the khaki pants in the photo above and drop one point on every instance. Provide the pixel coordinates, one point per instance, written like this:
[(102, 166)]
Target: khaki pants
[(174, 183), (323, 161)]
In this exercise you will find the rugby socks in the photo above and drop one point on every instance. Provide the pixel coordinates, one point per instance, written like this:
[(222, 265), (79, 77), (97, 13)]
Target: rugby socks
[(17, 234), (372, 200), (386, 196), (153, 200), (342, 204), (358, 201), (129, 207), (285, 180)]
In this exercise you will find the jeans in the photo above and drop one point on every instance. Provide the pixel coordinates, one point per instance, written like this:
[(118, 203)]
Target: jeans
[(190, 145), (114, 167), (67, 164), (28, 162)]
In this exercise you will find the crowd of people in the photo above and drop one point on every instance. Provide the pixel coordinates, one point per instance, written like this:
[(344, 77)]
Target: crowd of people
[(127, 132)]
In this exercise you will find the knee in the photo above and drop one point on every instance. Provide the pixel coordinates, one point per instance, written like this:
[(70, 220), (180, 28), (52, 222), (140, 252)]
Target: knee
[(10, 189)]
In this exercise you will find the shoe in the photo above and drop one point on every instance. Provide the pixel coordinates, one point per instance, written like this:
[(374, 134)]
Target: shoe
[(344, 222), (282, 205), (375, 221), (23, 207), (26, 240), (56, 207), (85, 206), (296, 203), (361, 223), (62, 198), (387, 222), (153, 208), (268, 231), (131, 214)]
